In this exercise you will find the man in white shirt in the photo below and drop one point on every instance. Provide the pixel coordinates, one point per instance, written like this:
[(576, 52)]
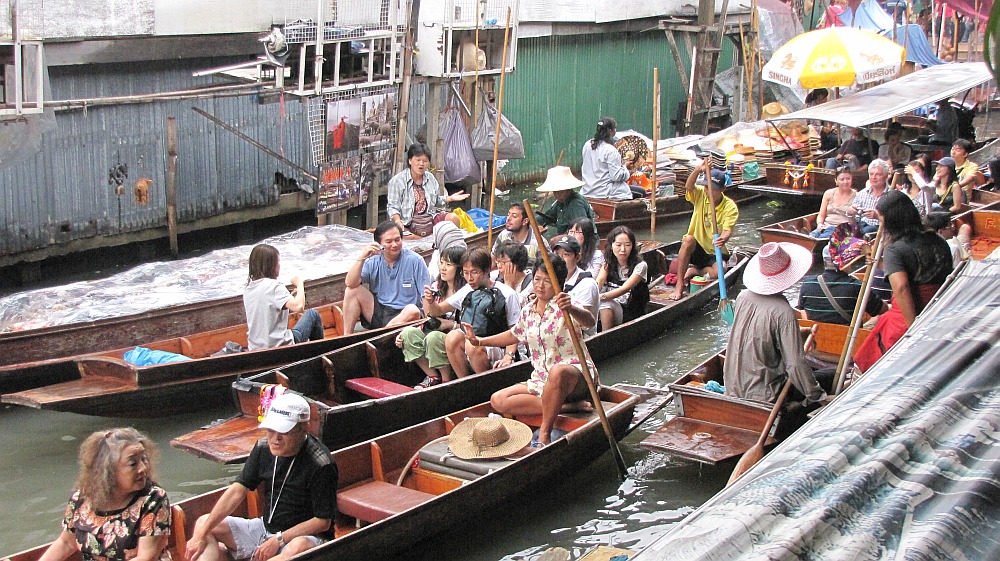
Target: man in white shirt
[(580, 285)]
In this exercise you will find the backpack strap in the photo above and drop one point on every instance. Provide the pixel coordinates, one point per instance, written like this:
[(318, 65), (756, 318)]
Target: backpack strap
[(833, 301)]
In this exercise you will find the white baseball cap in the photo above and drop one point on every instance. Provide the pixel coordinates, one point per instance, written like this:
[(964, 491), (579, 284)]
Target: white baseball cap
[(286, 411)]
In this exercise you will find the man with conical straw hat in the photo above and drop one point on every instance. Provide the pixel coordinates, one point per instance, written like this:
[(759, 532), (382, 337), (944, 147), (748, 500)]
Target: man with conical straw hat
[(567, 205)]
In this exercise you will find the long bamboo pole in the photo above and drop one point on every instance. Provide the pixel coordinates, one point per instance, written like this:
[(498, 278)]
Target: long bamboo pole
[(578, 345), (496, 136), (656, 138), (859, 308)]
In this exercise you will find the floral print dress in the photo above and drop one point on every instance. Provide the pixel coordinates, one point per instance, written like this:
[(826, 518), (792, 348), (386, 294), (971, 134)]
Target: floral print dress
[(548, 342), (114, 535)]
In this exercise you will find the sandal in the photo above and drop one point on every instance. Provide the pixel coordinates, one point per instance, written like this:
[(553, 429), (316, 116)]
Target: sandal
[(428, 382)]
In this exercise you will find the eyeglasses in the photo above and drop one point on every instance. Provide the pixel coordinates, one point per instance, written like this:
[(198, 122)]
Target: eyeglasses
[(574, 231), (472, 272), (503, 261)]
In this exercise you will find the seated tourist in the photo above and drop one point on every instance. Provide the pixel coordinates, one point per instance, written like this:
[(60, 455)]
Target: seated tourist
[(267, 303), (624, 280), (394, 276), (831, 296)]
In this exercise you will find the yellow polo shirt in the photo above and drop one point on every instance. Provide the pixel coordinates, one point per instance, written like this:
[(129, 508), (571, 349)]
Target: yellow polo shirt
[(726, 214)]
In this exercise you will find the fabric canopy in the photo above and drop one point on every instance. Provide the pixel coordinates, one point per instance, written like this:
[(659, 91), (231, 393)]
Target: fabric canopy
[(899, 96), (918, 48), (903, 465)]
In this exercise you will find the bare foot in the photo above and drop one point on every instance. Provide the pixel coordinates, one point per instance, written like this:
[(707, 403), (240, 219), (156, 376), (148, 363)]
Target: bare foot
[(582, 406), (677, 294)]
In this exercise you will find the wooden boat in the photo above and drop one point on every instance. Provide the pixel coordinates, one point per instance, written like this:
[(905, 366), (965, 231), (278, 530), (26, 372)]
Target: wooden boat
[(365, 389), (173, 321), (105, 384), (710, 427), (385, 505), (985, 226), (635, 213), (982, 198), (820, 180), (796, 231)]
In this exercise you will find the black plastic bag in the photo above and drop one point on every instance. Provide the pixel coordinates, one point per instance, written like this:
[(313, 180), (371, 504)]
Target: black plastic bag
[(460, 165), (511, 146)]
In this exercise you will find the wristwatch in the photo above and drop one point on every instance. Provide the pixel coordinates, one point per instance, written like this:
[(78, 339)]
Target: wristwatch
[(281, 539)]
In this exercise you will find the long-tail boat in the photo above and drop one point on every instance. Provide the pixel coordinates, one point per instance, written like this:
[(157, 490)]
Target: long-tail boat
[(713, 427), (635, 213), (105, 384), (173, 321), (794, 230), (403, 487), (366, 389)]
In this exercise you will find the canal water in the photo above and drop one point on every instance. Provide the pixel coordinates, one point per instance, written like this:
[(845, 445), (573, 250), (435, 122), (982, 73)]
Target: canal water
[(585, 508)]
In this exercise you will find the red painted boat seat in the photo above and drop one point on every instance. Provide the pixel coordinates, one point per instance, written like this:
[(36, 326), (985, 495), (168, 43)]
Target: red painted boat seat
[(376, 387), (378, 500)]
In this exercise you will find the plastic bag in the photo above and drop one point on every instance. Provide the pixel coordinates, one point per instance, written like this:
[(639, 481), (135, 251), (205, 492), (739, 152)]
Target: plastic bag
[(511, 147), (465, 221), (460, 165)]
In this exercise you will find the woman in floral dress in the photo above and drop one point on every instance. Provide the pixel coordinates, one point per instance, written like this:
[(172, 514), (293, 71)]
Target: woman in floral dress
[(556, 383), (117, 512)]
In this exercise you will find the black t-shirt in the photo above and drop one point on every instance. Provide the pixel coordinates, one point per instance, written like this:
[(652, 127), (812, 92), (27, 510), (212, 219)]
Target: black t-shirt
[(925, 258), (310, 490), (844, 288)]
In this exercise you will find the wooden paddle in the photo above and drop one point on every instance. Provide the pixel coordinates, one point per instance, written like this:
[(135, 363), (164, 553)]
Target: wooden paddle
[(725, 306), (496, 136), (579, 347), (754, 454)]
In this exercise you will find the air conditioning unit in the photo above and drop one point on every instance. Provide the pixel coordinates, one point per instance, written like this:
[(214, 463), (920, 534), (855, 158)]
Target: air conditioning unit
[(446, 37)]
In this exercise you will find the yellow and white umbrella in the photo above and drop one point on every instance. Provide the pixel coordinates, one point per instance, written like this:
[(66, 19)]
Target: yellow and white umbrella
[(834, 57)]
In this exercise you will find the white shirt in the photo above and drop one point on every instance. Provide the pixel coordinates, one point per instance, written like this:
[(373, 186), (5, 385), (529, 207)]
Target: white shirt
[(585, 294), (510, 297)]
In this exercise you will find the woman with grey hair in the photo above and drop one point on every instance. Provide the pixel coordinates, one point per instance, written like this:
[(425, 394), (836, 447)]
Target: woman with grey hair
[(117, 512)]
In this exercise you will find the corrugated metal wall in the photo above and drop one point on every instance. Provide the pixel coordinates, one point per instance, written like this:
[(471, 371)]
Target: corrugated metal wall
[(62, 192), (564, 84)]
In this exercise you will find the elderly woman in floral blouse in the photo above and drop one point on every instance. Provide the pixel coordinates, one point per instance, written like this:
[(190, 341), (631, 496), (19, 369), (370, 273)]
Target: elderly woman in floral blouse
[(117, 512), (557, 383)]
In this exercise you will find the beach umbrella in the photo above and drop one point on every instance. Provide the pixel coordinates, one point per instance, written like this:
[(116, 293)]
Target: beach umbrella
[(834, 57)]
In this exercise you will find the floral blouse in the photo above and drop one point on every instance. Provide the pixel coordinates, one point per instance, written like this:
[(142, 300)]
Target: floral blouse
[(548, 342), (114, 535)]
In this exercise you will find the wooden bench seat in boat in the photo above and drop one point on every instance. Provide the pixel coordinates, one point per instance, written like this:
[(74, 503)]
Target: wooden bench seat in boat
[(377, 500), (376, 387), (437, 457)]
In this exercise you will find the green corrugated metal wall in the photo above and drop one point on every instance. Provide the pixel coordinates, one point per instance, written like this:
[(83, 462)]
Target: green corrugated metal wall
[(564, 84)]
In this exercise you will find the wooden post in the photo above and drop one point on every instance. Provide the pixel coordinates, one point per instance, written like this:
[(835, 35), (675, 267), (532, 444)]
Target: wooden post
[(172, 184), (371, 208), (496, 137), (434, 140), (410, 41)]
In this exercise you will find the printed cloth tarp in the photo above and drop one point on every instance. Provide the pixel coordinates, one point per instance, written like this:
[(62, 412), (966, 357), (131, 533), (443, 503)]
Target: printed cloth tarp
[(311, 253), (904, 465)]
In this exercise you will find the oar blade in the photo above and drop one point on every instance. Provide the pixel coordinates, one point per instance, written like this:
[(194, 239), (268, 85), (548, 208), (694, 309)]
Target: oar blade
[(749, 459), (726, 311)]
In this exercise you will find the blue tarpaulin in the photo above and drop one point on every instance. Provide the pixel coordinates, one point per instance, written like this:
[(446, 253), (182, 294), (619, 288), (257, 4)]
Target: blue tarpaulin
[(905, 464), (872, 17)]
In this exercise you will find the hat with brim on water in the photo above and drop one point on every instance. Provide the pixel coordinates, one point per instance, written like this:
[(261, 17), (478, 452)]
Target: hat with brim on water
[(559, 178), (776, 267), (488, 437)]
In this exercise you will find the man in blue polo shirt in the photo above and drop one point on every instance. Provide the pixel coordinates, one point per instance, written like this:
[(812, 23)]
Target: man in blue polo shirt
[(395, 278)]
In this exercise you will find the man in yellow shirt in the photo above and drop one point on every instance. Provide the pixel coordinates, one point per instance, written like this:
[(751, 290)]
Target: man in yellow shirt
[(697, 254), (968, 171)]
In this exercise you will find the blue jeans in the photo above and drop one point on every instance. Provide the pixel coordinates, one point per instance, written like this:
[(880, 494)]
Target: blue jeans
[(868, 228), (308, 328), (822, 234)]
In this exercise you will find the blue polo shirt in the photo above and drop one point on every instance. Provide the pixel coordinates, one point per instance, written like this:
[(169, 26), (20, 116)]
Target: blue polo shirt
[(399, 285)]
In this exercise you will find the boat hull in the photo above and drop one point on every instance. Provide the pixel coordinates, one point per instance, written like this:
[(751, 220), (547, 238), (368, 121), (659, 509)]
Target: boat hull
[(347, 417), (796, 231)]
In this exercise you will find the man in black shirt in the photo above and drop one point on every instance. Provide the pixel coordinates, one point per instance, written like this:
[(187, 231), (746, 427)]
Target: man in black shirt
[(299, 488)]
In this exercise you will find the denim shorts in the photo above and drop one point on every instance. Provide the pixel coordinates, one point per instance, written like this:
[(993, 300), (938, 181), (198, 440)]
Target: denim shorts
[(249, 533)]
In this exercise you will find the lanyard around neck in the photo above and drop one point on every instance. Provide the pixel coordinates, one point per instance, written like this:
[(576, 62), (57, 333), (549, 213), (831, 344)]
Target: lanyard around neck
[(274, 475)]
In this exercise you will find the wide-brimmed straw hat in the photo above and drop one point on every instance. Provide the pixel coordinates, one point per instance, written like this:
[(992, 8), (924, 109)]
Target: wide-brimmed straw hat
[(777, 266), (772, 110), (488, 437), (559, 178)]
